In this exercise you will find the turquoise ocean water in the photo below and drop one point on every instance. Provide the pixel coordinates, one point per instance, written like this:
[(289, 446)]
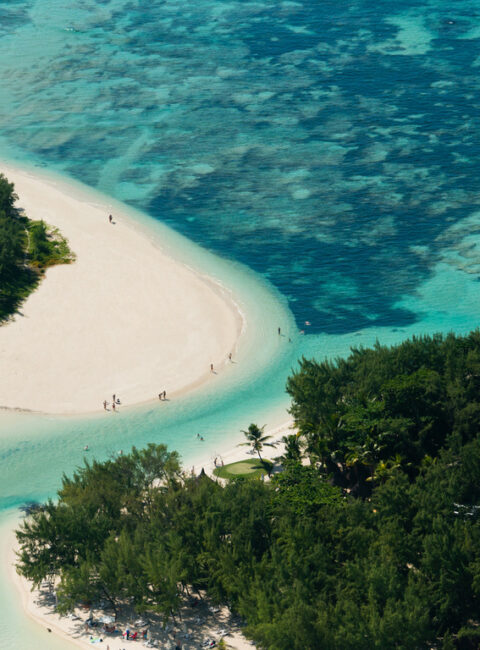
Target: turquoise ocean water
[(326, 153)]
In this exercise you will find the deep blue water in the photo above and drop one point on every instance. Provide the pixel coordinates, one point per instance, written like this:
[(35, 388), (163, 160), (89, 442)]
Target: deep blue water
[(329, 146)]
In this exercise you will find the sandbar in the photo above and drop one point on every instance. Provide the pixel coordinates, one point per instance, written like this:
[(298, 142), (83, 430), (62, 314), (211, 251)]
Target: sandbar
[(126, 318)]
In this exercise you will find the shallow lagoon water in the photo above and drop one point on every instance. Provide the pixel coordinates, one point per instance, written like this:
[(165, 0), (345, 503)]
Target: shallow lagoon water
[(329, 147)]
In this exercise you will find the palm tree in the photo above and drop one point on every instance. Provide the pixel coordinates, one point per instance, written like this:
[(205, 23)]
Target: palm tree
[(256, 440), (292, 448), (364, 454), (386, 468)]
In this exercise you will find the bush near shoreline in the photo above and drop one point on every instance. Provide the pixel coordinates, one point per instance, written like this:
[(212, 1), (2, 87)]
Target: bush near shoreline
[(27, 249), (368, 538)]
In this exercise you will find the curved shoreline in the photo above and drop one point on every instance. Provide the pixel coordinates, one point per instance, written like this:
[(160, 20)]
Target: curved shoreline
[(177, 320), (49, 445)]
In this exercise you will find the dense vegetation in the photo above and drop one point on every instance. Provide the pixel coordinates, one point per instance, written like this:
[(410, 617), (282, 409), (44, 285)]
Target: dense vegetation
[(27, 248), (374, 544), (381, 408)]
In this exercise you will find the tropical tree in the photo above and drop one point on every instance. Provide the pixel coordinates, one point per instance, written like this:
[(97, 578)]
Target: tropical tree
[(256, 440), (293, 450)]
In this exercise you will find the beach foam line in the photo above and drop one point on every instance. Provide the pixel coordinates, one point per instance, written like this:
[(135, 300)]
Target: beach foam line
[(126, 318)]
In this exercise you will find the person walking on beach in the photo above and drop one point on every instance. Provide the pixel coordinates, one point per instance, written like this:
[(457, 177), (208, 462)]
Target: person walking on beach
[(211, 367), (110, 218), (229, 356), (105, 404), (164, 394), (113, 398), (113, 406)]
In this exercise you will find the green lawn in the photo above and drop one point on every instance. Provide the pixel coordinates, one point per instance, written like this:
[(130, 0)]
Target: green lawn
[(251, 468)]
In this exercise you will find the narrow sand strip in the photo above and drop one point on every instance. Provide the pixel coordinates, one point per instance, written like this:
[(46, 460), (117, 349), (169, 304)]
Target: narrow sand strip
[(200, 624), (124, 319)]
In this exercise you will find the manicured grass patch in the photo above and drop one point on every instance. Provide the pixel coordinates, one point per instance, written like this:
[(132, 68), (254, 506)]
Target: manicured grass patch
[(251, 468)]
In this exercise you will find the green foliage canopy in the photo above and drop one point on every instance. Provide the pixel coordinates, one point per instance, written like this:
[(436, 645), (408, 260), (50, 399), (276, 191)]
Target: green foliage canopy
[(27, 248), (374, 544)]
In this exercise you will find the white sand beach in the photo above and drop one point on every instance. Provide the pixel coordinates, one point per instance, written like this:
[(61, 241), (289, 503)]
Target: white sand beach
[(125, 318)]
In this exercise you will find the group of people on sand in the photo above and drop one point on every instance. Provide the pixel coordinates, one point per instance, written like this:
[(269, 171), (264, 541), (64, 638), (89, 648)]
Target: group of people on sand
[(163, 395), (212, 368), (115, 403), (131, 636)]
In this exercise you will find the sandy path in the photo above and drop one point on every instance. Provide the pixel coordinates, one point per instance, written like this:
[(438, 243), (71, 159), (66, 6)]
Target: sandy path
[(125, 318)]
